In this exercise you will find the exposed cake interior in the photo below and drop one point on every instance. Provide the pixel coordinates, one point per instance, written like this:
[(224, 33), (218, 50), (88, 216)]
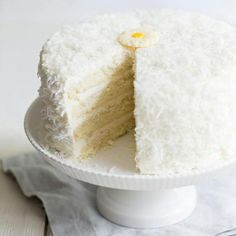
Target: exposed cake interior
[(101, 109)]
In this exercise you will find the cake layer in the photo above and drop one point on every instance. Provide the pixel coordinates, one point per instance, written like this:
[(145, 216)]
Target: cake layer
[(104, 137), (100, 95), (102, 76), (96, 81), (104, 116)]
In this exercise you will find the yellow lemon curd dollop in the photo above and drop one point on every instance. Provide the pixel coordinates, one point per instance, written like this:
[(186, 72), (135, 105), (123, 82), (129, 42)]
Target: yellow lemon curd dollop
[(137, 38), (137, 35)]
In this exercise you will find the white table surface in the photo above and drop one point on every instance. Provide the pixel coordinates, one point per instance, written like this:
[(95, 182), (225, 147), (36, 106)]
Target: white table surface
[(24, 26)]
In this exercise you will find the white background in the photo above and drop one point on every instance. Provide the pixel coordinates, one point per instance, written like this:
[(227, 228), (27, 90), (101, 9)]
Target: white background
[(25, 25)]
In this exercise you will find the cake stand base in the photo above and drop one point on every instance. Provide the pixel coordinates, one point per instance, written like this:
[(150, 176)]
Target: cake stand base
[(146, 209)]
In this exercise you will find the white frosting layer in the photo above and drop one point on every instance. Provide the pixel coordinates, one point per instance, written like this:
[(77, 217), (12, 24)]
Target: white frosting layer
[(184, 89), (185, 95)]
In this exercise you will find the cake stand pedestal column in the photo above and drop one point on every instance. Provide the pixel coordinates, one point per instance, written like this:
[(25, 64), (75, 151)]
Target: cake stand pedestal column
[(146, 209)]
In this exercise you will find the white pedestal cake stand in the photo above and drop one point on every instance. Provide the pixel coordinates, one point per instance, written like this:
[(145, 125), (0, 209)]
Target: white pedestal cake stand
[(124, 196)]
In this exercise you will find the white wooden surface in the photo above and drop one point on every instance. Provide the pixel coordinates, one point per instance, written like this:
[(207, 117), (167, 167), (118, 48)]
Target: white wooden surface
[(24, 26), (19, 216)]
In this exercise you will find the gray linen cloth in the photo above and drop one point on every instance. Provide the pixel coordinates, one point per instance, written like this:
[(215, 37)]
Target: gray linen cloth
[(71, 210)]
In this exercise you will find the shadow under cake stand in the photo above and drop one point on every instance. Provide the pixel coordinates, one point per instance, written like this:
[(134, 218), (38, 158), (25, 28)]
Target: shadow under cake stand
[(124, 196)]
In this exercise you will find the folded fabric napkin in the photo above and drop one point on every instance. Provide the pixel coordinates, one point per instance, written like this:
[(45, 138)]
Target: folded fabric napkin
[(71, 210)]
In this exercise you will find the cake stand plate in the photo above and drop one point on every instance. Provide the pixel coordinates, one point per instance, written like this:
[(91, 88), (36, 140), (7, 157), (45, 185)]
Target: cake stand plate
[(124, 196)]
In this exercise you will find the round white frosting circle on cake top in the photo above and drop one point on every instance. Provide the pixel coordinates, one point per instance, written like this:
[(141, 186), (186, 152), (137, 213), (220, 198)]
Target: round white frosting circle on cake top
[(138, 38)]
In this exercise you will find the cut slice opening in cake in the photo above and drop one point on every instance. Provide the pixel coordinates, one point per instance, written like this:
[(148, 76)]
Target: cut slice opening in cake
[(104, 111)]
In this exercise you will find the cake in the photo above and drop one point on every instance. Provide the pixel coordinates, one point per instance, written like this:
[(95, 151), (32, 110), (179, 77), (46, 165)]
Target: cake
[(168, 75)]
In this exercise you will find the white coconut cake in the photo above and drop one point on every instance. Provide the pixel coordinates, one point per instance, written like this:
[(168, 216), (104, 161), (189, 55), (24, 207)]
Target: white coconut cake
[(168, 75)]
